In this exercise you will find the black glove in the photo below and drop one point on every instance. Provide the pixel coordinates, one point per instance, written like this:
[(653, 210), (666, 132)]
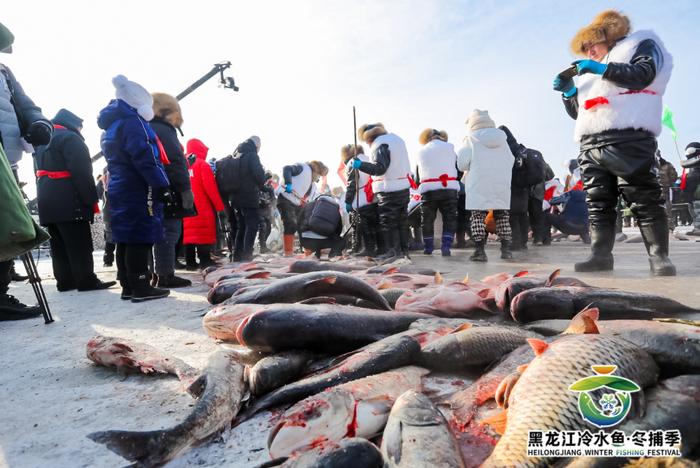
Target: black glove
[(165, 195), (39, 133)]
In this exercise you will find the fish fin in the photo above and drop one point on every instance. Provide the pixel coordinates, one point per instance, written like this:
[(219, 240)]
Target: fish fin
[(393, 444), (330, 279), (521, 273), (391, 271), (484, 293), (122, 347), (384, 285), (521, 368), (148, 447), (197, 387), (258, 274), (466, 279), (318, 300), (505, 388), (584, 322), (438, 278), (464, 326), (552, 278), (498, 422), (538, 346)]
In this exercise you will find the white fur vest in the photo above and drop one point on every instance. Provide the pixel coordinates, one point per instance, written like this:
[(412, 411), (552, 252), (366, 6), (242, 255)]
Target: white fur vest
[(611, 107), (437, 167), (396, 176), (301, 186)]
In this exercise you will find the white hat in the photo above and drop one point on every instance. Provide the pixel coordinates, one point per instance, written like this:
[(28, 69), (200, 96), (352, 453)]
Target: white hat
[(479, 119), (256, 140), (135, 95)]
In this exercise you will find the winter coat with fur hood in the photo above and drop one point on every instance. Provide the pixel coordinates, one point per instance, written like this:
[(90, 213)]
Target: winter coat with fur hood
[(71, 198), (201, 229), (136, 175), (487, 164)]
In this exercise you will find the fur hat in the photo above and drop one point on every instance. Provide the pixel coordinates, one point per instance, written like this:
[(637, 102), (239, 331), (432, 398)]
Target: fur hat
[(368, 132), (167, 108), (256, 141), (479, 119), (135, 95), (430, 134), (318, 168), (609, 26), (346, 152)]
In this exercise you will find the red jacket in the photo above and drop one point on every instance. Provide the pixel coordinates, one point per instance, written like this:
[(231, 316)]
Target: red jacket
[(201, 229)]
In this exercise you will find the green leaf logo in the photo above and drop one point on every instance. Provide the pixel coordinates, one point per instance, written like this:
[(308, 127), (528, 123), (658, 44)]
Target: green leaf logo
[(614, 407)]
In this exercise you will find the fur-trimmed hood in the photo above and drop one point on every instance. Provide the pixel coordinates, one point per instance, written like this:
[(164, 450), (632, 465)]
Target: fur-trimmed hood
[(368, 132), (431, 134), (609, 26), (167, 108)]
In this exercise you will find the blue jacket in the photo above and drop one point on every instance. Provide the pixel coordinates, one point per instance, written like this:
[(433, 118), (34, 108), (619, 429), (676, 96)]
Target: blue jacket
[(575, 208), (136, 176)]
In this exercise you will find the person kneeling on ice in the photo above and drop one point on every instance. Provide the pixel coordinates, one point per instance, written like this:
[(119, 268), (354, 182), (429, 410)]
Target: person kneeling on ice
[(390, 170), (487, 164), (439, 188), (572, 220), (299, 187), (321, 226), (138, 185), (368, 219), (618, 106)]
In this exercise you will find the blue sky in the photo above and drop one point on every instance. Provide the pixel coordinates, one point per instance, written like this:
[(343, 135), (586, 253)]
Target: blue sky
[(302, 65)]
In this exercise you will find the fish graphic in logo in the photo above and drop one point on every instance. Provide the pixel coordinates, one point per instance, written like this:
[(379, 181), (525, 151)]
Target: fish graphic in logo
[(612, 407)]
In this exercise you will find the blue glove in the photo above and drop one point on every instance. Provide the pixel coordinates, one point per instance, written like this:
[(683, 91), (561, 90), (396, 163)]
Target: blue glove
[(356, 163), (590, 66), (348, 207), (563, 84), (288, 188)]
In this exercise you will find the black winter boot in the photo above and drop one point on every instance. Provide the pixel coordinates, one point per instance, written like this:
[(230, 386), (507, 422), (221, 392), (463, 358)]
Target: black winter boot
[(391, 241), (506, 254), (479, 254), (13, 309), (369, 241), (126, 287), (656, 241), (142, 290), (172, 281), (601, 259)]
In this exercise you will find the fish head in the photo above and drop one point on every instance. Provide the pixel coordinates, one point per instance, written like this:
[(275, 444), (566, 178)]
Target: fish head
[(416, 409), (326, 416), (247, 311), (221, 322)]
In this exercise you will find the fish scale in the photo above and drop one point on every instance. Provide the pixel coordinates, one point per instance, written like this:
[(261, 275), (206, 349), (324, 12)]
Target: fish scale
[(541, 399)]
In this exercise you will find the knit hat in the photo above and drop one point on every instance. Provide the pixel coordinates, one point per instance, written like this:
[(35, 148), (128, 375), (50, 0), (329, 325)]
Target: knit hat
[(368, 132), (430, 134), (135, 95), (256, 140), (479, 119), (6, 39), (609, 27)]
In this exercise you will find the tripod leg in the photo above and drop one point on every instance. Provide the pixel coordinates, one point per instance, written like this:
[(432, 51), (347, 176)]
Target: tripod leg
[(35, 281)]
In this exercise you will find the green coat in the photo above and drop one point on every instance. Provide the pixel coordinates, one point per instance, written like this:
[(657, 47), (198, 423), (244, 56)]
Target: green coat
[(18, 231)]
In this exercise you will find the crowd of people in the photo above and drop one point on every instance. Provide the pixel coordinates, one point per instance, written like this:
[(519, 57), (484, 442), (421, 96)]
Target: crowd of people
[(162, 200)]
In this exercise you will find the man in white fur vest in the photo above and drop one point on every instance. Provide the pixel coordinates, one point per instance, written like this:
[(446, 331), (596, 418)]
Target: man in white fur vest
[(617, 104), (390, 170), (439, 188)]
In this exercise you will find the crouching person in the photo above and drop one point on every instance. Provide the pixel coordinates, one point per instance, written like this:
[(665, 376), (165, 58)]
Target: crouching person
[(364, 202), (487, 164), (321, 227), (439, 188), (571, 220), (67, 199), (299, 187)]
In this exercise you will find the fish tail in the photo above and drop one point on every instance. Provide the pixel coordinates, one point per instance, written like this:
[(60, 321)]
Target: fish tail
[(151, 448)]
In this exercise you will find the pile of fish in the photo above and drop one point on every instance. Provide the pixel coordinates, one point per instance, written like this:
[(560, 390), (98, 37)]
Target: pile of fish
[(344, 352)]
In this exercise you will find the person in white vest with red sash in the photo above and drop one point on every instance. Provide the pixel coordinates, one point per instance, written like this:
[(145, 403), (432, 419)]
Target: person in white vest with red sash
[(359, 197), (617, 104), (439, 188), (390, 169)]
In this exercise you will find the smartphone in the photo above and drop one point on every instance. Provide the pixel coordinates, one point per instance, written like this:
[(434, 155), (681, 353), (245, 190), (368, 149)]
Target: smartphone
[(570, 72)]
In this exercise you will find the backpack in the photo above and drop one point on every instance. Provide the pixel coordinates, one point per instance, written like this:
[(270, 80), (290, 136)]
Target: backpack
[(228, 171), (533, 166), (325, 216)]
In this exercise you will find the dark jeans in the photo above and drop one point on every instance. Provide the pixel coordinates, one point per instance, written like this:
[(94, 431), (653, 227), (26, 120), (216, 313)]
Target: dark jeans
[(564, 226), (393, 218), (71, 255), (201, 251), (132, 260), (289, 212), (164, 253), (335, 243), (110, 247), (535, 217), (519, 228), (5, 278), (444, 201), (247, 220)]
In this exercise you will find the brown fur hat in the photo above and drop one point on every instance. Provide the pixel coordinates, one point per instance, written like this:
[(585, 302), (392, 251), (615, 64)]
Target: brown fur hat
[(368, 132), (609, 26), (317, 167), (346, 153), (431, 134), (167, 108)]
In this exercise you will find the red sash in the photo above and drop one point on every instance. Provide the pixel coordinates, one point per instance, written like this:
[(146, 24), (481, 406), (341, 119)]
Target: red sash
[(53, 174), (444, 178), (601, 100)]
